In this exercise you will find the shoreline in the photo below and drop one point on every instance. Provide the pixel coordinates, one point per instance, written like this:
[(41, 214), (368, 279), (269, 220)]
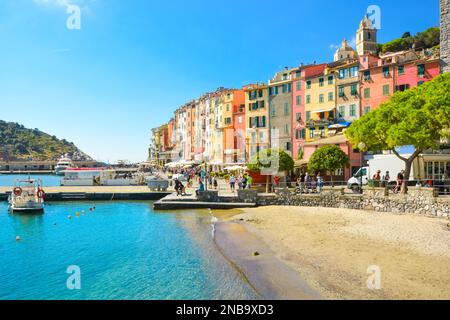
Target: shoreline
[(325, 253), (266, 274)]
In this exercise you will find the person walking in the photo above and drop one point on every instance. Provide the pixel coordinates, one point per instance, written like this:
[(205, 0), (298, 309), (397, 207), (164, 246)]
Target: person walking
[(319, 183), (249, 182), (215, 183), (244, 182), (377, 178), (386, 179), (233, 183)]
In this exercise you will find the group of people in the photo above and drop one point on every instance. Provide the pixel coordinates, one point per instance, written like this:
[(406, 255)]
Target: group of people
[(307, 183), (384, 180), (242, 181)]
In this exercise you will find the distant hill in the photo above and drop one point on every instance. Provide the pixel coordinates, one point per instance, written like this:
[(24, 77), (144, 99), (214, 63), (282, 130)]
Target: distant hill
[(427, 39), (20, 143)]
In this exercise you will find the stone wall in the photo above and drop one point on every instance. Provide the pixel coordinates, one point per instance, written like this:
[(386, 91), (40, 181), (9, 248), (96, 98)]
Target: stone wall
[(445, 30), (421, 201)]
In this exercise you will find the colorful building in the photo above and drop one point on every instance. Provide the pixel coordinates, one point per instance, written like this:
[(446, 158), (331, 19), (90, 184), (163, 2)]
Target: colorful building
[(280, 110), (257, 118)]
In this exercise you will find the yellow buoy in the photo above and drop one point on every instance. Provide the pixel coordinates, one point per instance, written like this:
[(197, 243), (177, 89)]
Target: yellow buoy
[(78, 214)]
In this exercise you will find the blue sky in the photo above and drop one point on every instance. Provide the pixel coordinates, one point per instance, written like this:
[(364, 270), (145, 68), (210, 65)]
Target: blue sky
[(133, 63)]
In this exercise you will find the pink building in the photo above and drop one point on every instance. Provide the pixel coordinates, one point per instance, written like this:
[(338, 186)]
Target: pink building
[(298, 77), (382, 76)]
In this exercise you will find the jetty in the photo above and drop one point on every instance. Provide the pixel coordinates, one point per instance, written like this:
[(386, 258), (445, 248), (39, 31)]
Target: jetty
[(96, 193)]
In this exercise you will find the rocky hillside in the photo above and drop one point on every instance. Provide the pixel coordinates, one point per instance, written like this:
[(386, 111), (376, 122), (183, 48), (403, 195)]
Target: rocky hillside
[(20, 143)]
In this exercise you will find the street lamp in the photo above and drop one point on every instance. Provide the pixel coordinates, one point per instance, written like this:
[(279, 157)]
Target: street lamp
[(361, 146)]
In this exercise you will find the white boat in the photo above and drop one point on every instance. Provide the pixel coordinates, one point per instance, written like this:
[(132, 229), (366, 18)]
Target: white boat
[(63, 164), (101, 177), (27, 196)]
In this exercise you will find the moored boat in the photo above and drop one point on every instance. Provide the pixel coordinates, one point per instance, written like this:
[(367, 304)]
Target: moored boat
[(63, 164), (27, 197)]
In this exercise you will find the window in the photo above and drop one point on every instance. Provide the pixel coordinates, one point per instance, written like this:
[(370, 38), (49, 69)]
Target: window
[(273, 110), (260, 93), (300, 134), (298, 85), (341, 92), (367, 93), (331, 114), (367, 75), (308, 84), (288, 146), (353, 110), (285, 76), (421, 70), (298, 117), (228, 120), (286, 129), (354, 72), (320, 82), (420, 83), (341, 111), (308, 99), (321, 100), (401, 70), (366, 109), (308, 115), (343, 73), (298, 100), (286, 109), (386, 72), (402, 87), (311, 133), (330, 96), (298, 74), (354, 90), (386, 90), (330, 80)]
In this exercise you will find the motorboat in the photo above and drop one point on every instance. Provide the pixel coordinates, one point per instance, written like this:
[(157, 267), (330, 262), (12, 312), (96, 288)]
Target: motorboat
[(27, 196), (63, 164)]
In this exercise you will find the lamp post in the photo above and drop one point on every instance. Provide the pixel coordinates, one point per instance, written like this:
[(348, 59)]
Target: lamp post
[(361, 147)]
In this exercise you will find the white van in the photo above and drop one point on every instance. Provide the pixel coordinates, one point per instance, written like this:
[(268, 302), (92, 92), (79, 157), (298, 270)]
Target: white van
[(382, 162)]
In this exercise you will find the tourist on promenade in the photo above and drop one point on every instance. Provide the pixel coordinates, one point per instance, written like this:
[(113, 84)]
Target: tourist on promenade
[(179, 188), (249, 182), (210, 179), (200, 189), (215, 183), (319, 183), (400, 178), (377, 178), (301, 182), (239, 182), (232, 183), (244, 182), (386, 179)]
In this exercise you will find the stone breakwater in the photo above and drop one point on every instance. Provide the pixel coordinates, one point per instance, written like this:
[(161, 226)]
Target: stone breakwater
[(420, 201)]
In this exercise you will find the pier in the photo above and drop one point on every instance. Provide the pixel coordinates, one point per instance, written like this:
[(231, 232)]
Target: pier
[(121, 193)]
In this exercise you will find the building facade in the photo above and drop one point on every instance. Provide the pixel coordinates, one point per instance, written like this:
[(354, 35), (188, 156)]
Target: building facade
[(280, 110)]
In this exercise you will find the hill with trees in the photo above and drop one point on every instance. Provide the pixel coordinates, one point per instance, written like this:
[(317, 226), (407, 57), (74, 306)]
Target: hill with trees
[(427, 39), (20, 143)]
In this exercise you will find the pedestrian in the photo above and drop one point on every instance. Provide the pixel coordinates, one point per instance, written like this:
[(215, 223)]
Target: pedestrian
[(239, 182), (200, 189), (400, 177), (244, 182), (215, 183), (377, 178), (319, 183), (232, 183), (249, 182), (386, 179)]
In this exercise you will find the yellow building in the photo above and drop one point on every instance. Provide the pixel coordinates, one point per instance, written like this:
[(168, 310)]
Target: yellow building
[(320, 104), (257, 119)]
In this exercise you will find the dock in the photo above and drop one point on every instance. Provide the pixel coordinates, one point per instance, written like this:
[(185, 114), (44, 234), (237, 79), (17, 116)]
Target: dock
[(98, 193), (174, 202)]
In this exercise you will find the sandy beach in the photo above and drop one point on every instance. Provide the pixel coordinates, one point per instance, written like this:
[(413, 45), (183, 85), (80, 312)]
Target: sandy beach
[(330, 251)]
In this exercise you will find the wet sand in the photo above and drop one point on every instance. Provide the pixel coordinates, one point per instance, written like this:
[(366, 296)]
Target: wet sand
[(310, 253)]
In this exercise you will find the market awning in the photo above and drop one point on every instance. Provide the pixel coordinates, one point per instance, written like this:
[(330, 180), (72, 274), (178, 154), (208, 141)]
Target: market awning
[(340, 125)]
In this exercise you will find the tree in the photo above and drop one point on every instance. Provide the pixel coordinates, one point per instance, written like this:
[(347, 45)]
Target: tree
[(328, 159), (419, 117), (270, 162)]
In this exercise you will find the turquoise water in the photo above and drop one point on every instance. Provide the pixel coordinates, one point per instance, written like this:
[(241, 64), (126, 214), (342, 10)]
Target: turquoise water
[(124, 251), (7, 180)]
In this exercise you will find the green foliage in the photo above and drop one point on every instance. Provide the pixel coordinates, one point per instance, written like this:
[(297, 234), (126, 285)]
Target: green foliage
[(19, 143), (263, 160), (328, 159), (417, 117), (427, 39)]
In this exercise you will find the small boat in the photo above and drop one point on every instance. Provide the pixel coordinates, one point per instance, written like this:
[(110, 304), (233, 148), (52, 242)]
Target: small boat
[(63, 164), (102, 177), (27, 197)]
